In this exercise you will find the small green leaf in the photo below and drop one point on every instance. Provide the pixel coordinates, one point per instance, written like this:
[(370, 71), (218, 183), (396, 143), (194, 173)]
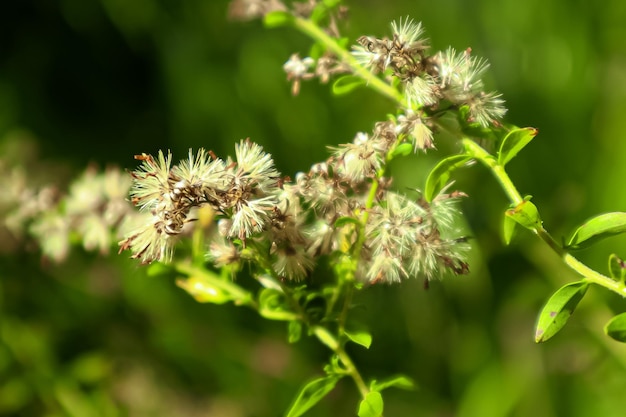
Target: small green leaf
[(317, 50), (203, 291), (273, 306), (525, 214), (336, 367), (311, 394), (514, 142), (277, 18), (372, 405), (294, 331), (345, 84), (344, 220), (558, 309), (397, 381), (360, 336), (617, 268), (318, 14), (344, 42), (616, 328), (402, 149), (321, 11), (158, 268), (597, 228), (508, 229), (439, 177), (269, 281), (326, 337), (331, 3)]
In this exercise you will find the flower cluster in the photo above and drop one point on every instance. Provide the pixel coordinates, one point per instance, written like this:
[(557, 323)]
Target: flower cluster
[(431, 80), (431, 84), (92, 213), (402, 237), (289, 226), (243, 190), (254, 9)]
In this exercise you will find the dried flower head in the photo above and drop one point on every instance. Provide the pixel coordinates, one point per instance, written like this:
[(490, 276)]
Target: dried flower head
[(428, 80), (298, 69), (253, 9), (242, 190), (360, 159), (405, 239)]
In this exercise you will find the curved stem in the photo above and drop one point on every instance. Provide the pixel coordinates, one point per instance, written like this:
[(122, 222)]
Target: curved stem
[(498, 171), (343, 315), (593, 276), (312, 30), (331, 341), (514, 196), (327, 338)]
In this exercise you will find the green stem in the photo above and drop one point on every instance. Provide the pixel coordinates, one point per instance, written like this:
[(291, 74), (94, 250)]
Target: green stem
[(369, 203), (327, 338), (593, 276), (315, 32), (343, 316), (498, 170), (514, 196)]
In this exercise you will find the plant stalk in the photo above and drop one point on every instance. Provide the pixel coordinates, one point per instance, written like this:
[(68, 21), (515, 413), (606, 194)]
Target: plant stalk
[(327, 338), (514, 196), (313, 31)]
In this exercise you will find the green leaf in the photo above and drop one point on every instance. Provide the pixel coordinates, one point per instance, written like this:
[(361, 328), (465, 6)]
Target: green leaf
[(203, 291), (16, 393), (322, 10), (525, 214), (347, 83), (508, 229), (558, 309), (317, 50), (617, 268), (597, 228), (372, 405), (294, 331), (311, 394), (269, 281), (616, 328), (514, 142), (344, 220), (277, 18), (158, 268), (359, 335), (326, 337), (344, 42), (440, 174), (402, 149), (397, 381), (90, 368), (318, 14), (273, 306), (335, 367)]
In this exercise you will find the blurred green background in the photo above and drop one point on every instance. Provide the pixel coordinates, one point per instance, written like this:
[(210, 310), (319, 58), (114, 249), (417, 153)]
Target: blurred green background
[(98, 81)]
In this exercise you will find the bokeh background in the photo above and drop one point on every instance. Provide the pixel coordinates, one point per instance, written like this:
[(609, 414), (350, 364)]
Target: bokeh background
[(97, 81)]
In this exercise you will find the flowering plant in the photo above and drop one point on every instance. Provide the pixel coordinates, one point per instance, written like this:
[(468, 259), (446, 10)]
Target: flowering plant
[(313, 241)]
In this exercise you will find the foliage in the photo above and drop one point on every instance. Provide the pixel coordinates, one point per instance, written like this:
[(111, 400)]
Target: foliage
[(308, 252)]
